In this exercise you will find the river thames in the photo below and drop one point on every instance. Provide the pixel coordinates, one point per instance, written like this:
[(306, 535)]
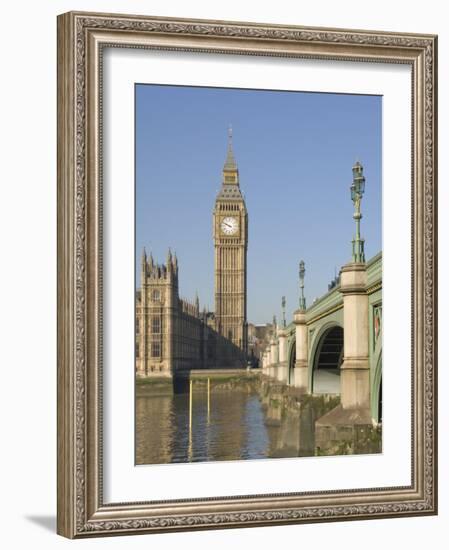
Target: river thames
[(229, 420)]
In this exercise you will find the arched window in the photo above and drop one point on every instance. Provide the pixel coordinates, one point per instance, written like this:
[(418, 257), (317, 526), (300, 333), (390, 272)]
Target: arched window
[(156, 295)]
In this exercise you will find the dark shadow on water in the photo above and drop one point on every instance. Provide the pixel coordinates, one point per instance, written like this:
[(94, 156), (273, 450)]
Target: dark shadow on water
[(46, 522)]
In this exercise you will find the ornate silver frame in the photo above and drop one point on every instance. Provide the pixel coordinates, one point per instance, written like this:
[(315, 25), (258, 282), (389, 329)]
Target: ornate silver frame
[(81, 510)]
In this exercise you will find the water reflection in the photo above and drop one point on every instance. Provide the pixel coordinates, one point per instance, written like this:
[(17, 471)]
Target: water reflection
[(234, 428), (244, 421)]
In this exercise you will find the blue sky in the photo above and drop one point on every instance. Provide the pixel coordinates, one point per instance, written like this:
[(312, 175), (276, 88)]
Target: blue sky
[(295, 152)]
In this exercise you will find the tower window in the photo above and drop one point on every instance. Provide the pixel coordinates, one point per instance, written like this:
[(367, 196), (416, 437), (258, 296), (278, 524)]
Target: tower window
[(156, 325), (156, 295), (156, 349)]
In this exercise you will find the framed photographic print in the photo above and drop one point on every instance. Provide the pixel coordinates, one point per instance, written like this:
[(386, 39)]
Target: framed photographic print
[(246, 274)]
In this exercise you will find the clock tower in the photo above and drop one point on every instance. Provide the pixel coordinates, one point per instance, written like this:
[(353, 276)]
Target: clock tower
[(230, 231)]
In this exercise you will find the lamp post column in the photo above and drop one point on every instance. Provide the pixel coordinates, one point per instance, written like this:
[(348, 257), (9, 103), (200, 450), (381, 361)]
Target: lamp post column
[(352, 417), (355, 379), (301, 378)]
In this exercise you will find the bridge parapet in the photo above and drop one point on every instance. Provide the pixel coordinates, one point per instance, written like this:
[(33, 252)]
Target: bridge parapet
[(374, 270), (334, 298), (323, 304)]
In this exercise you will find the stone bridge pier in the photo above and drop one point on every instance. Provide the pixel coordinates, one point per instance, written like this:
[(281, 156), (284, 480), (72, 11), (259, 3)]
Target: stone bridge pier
[(282, 366), (274, 355), (355, 380), (351, 420), (301, 372)]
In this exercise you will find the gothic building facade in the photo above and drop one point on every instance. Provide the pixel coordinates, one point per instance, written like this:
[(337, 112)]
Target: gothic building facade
[(172, 334)]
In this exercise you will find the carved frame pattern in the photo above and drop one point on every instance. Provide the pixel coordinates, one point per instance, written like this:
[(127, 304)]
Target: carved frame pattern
[(81, 37)]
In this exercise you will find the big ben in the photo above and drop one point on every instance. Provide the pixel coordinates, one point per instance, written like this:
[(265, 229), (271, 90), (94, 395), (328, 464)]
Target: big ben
[(230, 231)]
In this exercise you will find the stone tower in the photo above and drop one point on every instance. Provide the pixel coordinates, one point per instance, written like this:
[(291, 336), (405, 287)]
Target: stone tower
[(156, 307), (230, 231)]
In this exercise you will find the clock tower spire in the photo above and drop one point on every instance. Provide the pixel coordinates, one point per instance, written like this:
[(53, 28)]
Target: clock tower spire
[(230, 164), (230, 231)]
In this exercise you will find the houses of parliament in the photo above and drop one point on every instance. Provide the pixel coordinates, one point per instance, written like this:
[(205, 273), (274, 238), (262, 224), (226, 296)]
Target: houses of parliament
[(175, 335)]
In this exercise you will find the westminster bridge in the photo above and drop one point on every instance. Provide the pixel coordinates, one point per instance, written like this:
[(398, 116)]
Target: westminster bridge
[(334, 347)]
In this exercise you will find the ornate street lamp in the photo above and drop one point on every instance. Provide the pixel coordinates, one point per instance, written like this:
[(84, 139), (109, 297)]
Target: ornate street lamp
[(357, 191), (284, 323), (302, 272)]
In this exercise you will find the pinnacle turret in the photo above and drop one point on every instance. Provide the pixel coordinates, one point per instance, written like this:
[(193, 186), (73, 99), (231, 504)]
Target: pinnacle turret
[(175, 263)]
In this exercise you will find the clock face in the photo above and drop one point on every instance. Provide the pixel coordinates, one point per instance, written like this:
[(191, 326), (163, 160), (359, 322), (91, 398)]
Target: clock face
[(229, 225)]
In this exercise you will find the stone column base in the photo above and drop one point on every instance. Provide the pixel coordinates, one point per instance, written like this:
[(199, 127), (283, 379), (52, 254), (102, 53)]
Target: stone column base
[(301, 379), (282, 372), (355, 383)]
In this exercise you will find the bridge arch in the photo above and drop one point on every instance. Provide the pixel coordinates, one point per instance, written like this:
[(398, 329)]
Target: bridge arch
[(326, 358), (291, 360)]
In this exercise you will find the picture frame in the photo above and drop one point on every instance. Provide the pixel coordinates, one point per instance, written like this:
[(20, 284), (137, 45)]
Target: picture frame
[(82, 39)]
